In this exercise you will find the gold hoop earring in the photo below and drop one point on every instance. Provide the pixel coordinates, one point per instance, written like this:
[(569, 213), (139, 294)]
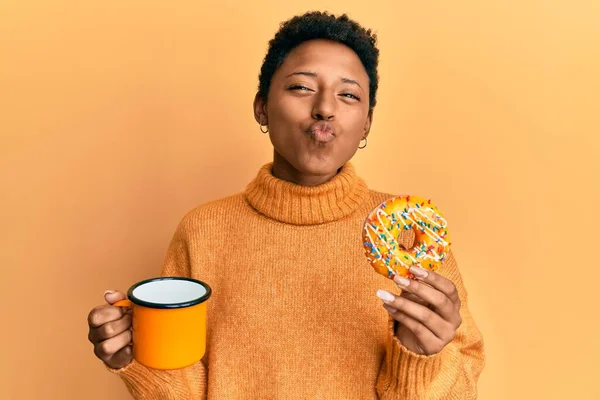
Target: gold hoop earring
[(261, 128), (365, 145)]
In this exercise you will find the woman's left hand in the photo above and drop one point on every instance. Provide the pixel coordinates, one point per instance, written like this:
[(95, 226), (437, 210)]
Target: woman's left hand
[(427, 311)]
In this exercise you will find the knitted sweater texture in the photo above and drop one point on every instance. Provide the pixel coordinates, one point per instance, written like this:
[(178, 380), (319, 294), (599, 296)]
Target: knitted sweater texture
[(293, 312)]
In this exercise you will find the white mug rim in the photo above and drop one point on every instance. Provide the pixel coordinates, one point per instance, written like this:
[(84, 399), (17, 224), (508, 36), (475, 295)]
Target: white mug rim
[(169, 305)]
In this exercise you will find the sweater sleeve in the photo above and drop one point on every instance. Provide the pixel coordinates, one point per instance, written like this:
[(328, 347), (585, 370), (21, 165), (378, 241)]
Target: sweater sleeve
[(189, 383), (450, 374)]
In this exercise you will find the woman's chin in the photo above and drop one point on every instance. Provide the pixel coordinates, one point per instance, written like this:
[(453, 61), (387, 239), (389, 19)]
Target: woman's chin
[(318, 165)]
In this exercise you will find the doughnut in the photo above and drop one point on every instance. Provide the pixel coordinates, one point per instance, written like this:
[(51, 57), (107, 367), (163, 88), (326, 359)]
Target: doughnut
[(385, 224)]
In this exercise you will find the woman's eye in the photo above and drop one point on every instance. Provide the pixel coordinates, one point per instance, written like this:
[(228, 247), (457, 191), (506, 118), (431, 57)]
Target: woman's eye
[(351, 96), (299, 87)]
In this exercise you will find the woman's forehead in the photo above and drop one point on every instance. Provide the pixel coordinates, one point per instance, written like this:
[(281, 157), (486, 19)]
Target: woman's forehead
[(324, 57)]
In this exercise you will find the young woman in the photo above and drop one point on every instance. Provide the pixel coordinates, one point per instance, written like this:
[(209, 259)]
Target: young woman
[(296, 310)]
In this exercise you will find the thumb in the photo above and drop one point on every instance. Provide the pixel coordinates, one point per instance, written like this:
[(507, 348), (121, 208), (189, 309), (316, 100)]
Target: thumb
[(112, 296)]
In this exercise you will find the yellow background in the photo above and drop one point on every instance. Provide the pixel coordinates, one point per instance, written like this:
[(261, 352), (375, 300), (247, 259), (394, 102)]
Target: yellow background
[(118, 117)]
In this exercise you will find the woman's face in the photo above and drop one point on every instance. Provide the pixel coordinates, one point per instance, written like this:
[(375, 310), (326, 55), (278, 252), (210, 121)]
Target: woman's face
[(317, 108)]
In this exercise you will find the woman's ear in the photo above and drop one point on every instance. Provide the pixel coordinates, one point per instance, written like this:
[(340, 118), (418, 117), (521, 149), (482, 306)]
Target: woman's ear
[(368, 123), (260, 110)]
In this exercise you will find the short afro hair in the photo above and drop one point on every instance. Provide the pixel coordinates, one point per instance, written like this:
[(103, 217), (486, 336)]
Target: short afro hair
[(321, 25)]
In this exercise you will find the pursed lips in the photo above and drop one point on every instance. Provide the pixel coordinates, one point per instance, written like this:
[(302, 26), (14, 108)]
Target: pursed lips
[(322, 132)]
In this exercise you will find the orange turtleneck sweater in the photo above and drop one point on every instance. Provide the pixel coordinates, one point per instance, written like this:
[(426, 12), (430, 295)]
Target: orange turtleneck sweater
[(294, 313)]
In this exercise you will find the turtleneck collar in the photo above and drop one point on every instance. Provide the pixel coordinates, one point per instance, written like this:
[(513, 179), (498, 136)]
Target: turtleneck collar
[(306, 205)]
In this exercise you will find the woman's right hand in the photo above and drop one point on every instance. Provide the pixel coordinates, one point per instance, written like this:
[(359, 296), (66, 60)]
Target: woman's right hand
[(110, 331)]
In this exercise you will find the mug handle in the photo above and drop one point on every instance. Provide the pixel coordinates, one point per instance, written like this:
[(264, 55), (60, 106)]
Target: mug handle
[(123, 303)]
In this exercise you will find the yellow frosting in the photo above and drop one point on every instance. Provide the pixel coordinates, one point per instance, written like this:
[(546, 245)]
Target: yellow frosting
[(385, 224)]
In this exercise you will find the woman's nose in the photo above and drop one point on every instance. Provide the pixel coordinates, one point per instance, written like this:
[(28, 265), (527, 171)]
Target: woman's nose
[(324, 107)]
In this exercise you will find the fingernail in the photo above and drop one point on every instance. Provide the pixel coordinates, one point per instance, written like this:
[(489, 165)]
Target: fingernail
[(389, 309), (401, 281), (109, 292), (387, 297), (419, 272)]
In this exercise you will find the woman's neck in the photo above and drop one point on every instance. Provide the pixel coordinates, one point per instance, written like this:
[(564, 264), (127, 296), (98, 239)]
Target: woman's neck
[(290, 203), (285, 171)]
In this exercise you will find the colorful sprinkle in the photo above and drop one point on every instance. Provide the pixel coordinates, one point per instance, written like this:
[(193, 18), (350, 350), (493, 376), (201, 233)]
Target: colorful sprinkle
[(383, 232)]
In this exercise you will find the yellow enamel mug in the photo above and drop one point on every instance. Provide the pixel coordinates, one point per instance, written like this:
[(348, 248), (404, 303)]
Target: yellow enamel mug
[(169, 321)]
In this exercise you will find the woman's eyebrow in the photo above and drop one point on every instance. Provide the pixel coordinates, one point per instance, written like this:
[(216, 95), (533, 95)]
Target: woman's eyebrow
[(314, 75), (351, 81), (306, 73)]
